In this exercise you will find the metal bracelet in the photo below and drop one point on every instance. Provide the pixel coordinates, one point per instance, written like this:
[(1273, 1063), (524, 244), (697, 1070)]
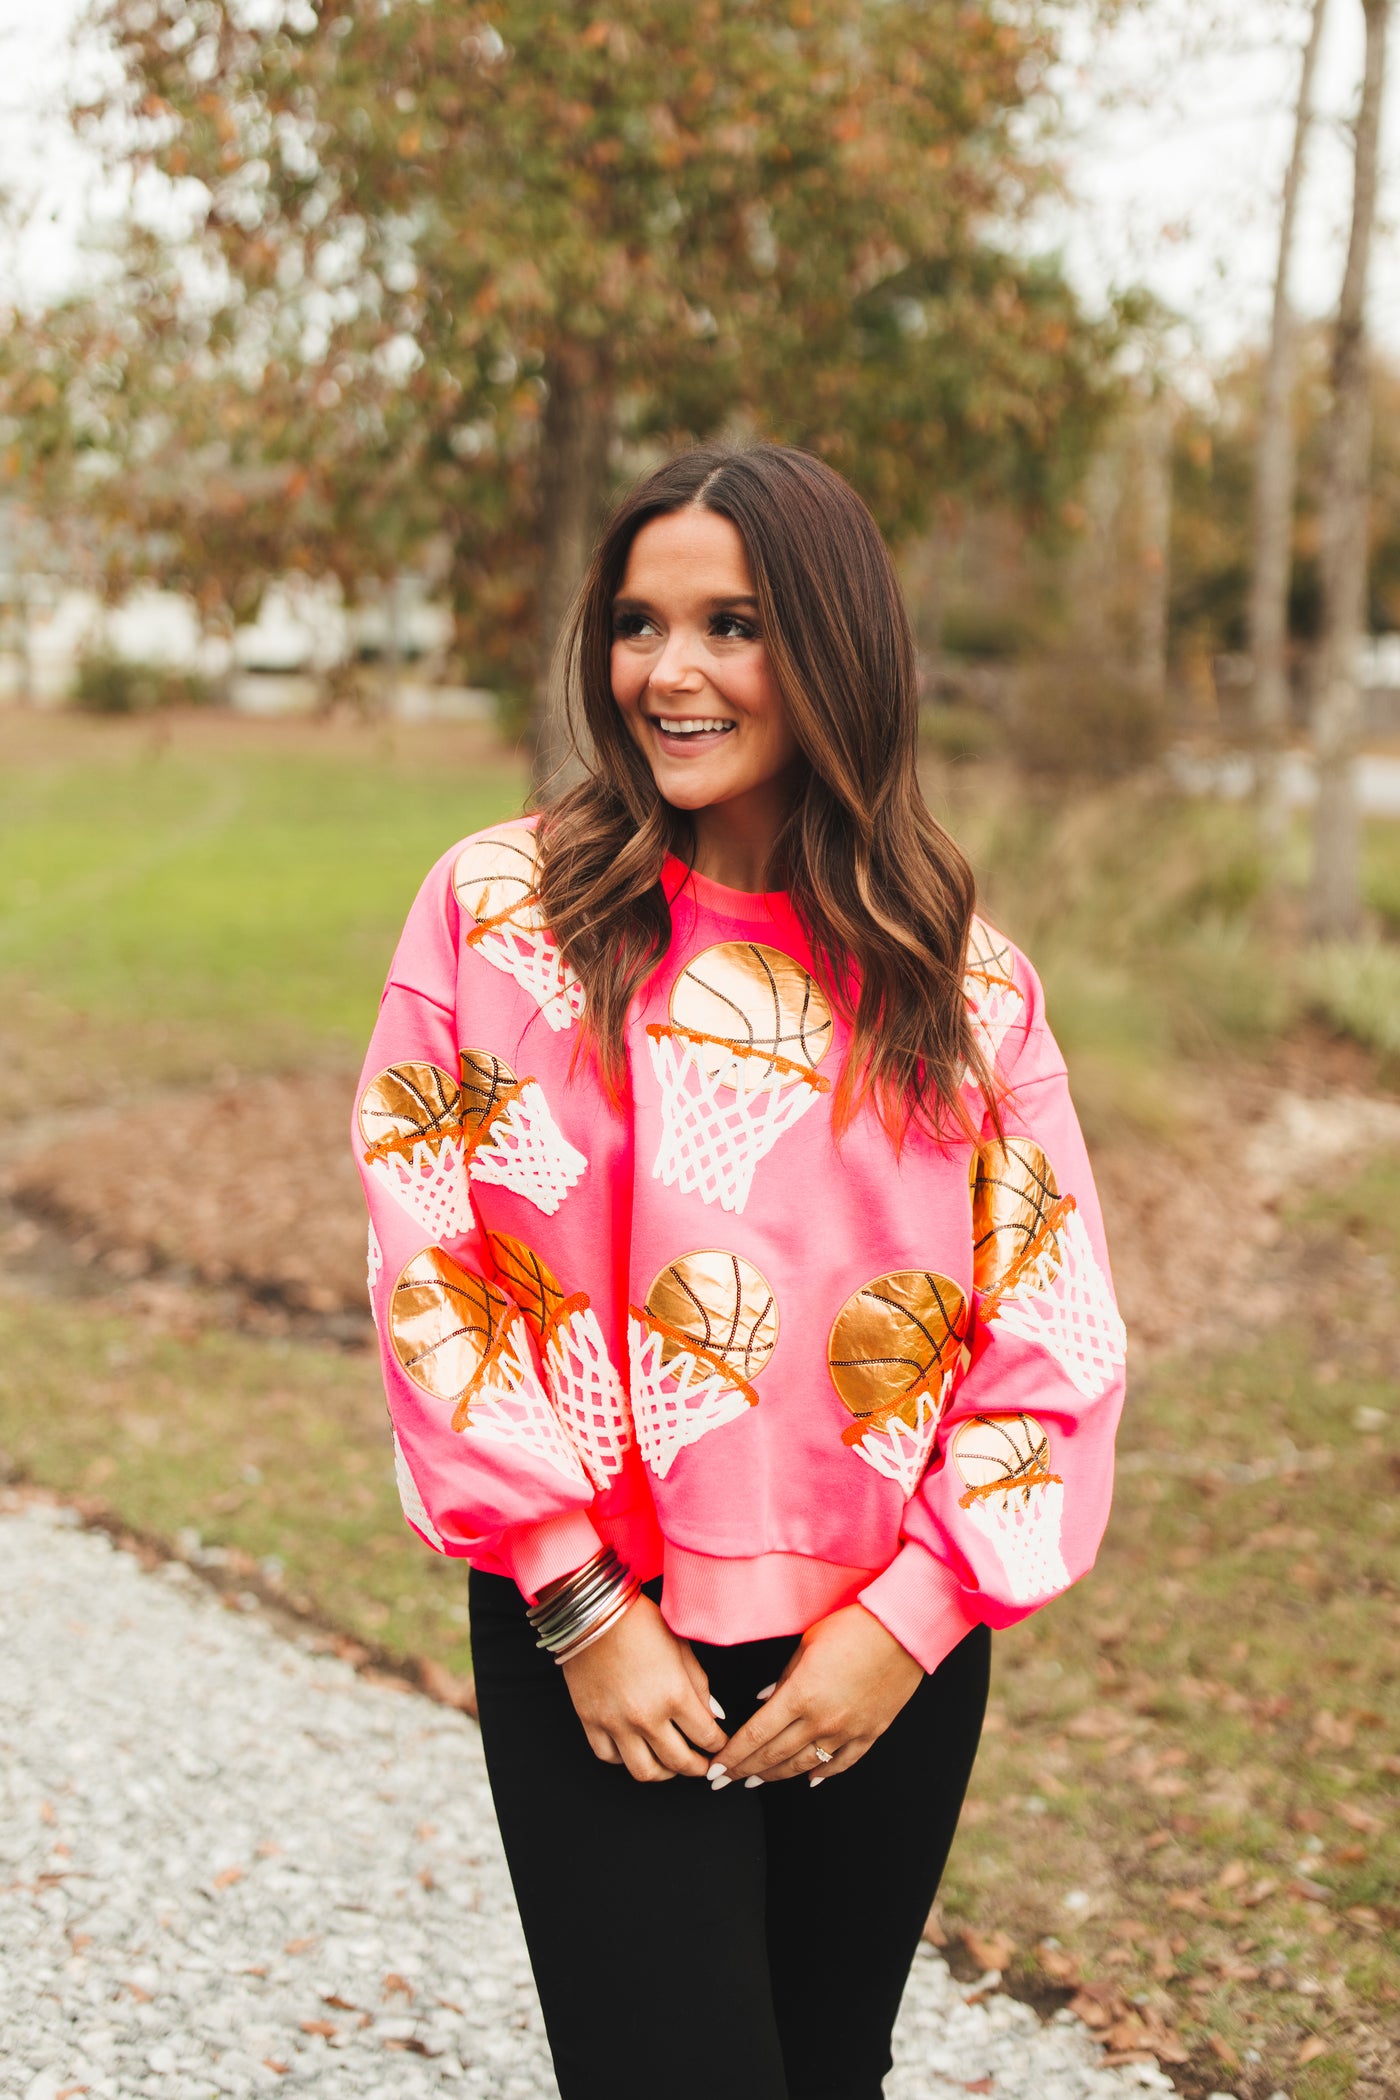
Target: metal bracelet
[(580, 1592), (581, 1607), (595, 1633)]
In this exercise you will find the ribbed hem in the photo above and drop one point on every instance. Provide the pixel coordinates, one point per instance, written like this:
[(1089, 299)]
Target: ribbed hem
[(538, 1554), (921, 1602), (726, 1601)]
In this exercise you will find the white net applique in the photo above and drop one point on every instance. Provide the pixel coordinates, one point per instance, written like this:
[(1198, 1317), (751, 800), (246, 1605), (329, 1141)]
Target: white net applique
[(411, 1501), (993, 1004), (588, 1394), (511, 1407), (897, 1450), (1023, 1526), (531, 955), (717, 1126), (523, 1149), (430, 1182), (374, 1262), (1065, 1306), (676, 1403)]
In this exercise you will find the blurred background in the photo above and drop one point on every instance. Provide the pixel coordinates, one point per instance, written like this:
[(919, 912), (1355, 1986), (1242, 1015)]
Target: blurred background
[(329, 333)]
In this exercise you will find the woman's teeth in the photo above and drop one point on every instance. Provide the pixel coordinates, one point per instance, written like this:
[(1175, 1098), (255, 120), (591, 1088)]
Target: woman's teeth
[(684, 726)]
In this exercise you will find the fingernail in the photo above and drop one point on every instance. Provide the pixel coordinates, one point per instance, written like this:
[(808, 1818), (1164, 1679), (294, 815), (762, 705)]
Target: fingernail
[(715, 1708), (716, 1771), (753, 1782), (717, 1786), (816, 1778), (769, 1689)]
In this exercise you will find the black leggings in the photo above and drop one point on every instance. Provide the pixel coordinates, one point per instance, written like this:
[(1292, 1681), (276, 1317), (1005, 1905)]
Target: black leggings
[(752, 1943)]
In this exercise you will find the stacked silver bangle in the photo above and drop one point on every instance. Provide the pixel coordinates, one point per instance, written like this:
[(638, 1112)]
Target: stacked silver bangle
[(579, 1609)]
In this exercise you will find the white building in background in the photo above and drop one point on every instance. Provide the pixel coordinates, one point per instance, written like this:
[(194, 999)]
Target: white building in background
[(273, 664)]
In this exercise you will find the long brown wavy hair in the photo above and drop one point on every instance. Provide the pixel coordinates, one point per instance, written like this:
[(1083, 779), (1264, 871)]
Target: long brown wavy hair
[(883, 893)]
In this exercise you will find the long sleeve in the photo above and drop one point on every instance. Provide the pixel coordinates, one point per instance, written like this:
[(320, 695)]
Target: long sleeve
[(1014, 1503), (484, 1466)]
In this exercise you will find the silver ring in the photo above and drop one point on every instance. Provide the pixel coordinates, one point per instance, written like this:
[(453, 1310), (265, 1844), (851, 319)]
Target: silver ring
[(824, 1756)]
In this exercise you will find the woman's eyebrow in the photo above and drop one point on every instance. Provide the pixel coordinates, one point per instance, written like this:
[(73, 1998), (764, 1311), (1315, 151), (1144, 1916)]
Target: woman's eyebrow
[(725, 598)]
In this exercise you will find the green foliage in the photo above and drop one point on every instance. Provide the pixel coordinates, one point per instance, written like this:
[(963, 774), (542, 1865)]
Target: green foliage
[(114, 685), (1356, 986)]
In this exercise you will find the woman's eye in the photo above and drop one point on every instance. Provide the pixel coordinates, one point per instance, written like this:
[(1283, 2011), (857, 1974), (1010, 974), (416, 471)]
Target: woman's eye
[(731, 627), (627, 626)]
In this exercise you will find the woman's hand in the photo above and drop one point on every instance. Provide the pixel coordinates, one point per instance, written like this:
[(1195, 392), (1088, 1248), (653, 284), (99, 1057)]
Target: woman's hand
[(842, 1688), (643, 1699)]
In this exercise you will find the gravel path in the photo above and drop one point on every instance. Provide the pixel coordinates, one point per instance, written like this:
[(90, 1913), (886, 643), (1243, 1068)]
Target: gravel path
[(231, 1866)]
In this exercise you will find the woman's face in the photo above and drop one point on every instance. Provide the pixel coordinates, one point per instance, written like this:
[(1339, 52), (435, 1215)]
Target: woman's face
[(689, 668)]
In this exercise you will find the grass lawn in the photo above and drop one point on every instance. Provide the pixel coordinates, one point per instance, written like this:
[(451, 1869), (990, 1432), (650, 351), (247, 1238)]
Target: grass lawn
[(1187, 1800), (177, 896)]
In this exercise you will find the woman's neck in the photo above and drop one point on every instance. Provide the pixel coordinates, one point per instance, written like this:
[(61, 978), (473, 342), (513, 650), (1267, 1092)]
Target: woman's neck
[(734, 841)]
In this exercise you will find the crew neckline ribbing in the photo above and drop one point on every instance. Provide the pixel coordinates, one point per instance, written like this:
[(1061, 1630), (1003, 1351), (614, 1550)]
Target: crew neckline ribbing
[(762, 906)]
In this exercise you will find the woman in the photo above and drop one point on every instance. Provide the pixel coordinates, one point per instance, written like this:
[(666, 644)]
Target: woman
[(744, 1301)]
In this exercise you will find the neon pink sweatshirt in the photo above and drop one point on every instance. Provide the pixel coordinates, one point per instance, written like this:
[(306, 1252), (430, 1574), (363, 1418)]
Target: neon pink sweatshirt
[(784, 1371)]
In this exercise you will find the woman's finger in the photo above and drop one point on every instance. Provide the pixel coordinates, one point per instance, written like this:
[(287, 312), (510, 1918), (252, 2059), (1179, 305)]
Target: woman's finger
[(603, 1746), (783, 1748), (764, 1727), (641, 1760), (849, 1754), (690, 1663), (691, 1714), (670, 1748)]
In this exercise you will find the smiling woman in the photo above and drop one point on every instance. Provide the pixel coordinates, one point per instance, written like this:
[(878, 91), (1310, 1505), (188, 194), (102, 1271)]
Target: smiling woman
[(788, 1076), (697, 691)]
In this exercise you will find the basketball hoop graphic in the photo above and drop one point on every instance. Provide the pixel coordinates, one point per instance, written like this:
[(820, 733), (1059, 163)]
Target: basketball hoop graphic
[(411, 1501), (736, 1064), (707, 1329), (896, 1347), (994, 999), (1035, 1270), (374, 1262), (1014, 1499), (464, 1343), (585, 1388), (514, 1140), (494, 878), (411, 1122)]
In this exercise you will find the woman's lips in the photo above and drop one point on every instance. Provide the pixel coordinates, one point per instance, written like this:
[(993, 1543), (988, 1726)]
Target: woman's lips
[(687, 734)]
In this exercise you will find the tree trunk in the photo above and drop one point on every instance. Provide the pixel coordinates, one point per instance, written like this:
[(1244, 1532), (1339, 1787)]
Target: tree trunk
[(1275, 473), (1157, 417), (575, 439), (1336, 894)]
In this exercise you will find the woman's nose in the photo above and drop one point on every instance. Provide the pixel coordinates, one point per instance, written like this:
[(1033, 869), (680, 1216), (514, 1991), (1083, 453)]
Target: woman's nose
[(677, 669)]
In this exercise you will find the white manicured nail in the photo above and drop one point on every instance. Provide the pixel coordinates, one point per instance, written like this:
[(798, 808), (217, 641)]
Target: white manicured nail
[(755, 1781), (717, 1786), (716, 1771), (768, 1690), (816, 1779), (715, 1708)]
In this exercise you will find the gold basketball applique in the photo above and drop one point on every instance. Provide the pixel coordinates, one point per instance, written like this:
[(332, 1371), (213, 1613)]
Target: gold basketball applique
[(737, 1066), (515, 1141), (579, 1372), (894, 1350), (494, 879), (463, 1343), (706, 1331), (1014, 1500), (1035, 1269), (410, 1121)]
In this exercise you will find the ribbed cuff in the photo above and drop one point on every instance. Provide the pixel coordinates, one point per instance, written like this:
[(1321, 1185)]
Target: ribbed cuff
[(539, 1554), (921, 1602)]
